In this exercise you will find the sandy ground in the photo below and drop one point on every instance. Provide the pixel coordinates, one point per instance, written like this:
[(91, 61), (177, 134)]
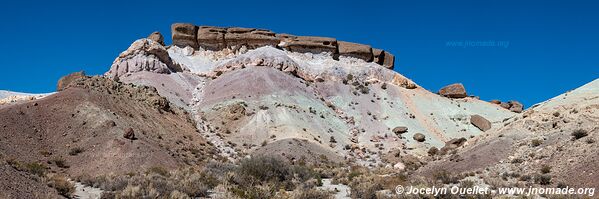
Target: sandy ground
[(341, 191), (86, 192)]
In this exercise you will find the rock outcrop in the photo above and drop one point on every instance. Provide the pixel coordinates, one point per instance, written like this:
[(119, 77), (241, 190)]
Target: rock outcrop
[(237, 38), (157, 37), (184, 34), (452, 145), (388, 60), (456, 90), (480, 122), (513, 105), (143, 55), (384, 58), (250, 38), (359, 51), (516, 106), (63, 82), (211, 38), (143, 94), (308, 44)]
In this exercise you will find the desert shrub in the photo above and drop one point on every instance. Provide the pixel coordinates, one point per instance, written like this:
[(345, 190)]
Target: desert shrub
[(467, 184), (255, 192), (542, 179), (545, 169), (365, 190), (269, 169), (178, 195), (313, 194), (107, 183), (75, 151), (158, 170), (60, 183), (445, 177), (32, 167), (524, 178), (517, 161), (218, 169), (59, 162), (35, 168), (353, 174), (561, 185), (590, 141), (194, 183), (579, 133), (108, 195), (536, 142), (261, 176), (130, 192)]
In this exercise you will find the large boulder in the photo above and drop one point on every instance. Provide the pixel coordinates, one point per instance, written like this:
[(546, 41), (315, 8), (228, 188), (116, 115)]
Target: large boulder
[(129, 134), (63, 82), (184, 34), (480, 122), (157, 37), (360, 51), (516, 106), (305, 44), (419, 137), (495, 101), (251, 38), (456, 90), (400, 130), (211, 38)]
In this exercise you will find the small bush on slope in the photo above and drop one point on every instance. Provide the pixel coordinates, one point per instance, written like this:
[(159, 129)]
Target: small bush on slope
[(262, 176), (579, 133), (60, 183), (157, 181)]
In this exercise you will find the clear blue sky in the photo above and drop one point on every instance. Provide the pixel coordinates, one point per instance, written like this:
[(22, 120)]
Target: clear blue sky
[(553, 47)]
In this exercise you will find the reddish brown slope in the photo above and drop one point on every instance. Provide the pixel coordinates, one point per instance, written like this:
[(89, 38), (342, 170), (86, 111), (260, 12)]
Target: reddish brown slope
[(92, 115)]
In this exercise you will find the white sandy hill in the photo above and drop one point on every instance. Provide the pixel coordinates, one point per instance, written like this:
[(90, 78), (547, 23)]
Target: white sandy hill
[(308, 106), (7, 97)]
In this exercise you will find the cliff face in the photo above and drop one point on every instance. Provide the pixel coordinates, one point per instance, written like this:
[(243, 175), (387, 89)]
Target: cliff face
[(250, 88), (236, 38)]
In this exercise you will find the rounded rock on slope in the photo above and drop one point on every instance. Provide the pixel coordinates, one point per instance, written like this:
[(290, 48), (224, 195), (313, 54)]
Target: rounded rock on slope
[(480, 122), (456, 90), (157, 37), (516, 106), (129, 134), (495, 101), (419, 137), (400, 130)]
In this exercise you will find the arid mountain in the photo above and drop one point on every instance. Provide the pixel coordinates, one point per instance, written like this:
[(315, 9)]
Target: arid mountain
[(345, 105), (196, 118)]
